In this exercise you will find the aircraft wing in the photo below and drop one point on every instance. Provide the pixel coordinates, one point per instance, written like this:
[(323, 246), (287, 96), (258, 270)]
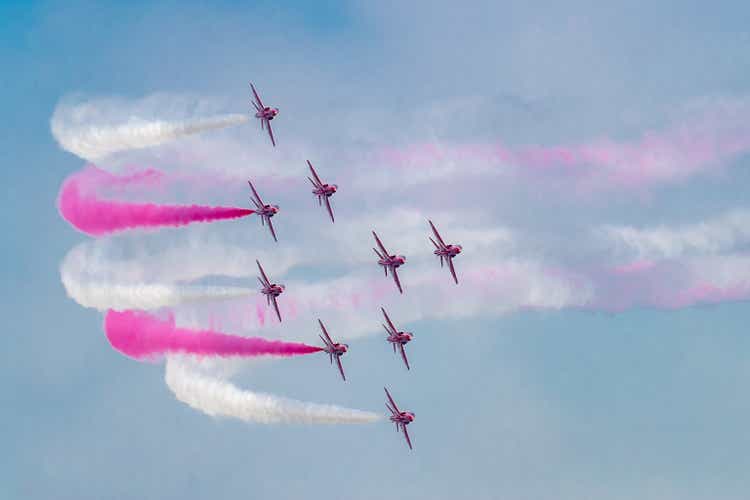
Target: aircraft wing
[(380, 245), (264, 280), (270, 226), (395, 278), (453, 270), (406, 435), (437, 235), (328, 346), (393, 412), (325, 332), (314, 174), (388, 320), (257, 97), (341, 368), (380, 255), (276, 306), (263, 284), (390, 399), (403, 355), (433, 242), (328, 207), (255, 194), (315, 184), (270, 132), (388, 331)]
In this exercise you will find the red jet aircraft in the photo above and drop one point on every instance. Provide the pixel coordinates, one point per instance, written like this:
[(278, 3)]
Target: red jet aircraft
[(396, 337), (270, 290), (265, 211), (389, 261), (322, 191), (398, 417), (333, 349), (444, 251), (265, 114)]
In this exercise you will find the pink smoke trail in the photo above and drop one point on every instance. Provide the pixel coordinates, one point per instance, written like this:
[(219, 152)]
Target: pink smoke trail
[(141, 336), (670, 284), (698, 144), (83, 209)]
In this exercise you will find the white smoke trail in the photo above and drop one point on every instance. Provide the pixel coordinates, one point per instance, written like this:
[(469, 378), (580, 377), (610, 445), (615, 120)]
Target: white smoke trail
[(97, 128), (133, 273), (708, 237), (220, 398), (170, 258), (94, 280), (103, 296)]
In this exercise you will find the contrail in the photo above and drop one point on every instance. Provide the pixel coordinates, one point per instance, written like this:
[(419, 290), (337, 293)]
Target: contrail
[(83, 209), (220, 398), (98, 128), (141, 336)]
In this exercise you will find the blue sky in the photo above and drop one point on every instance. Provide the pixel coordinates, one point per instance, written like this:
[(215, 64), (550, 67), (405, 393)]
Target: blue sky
[(541, 403)]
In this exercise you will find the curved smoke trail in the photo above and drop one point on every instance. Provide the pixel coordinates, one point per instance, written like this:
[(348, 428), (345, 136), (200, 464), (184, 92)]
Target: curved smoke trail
[(98, 128), (130, 273), (178, 257), (140, 335), (146, 296), (84, 283), (83, 209), (220, 398)]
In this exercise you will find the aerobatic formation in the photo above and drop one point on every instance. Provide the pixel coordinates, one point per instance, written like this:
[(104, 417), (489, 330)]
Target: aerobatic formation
[(153, 306), (143, 335)]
